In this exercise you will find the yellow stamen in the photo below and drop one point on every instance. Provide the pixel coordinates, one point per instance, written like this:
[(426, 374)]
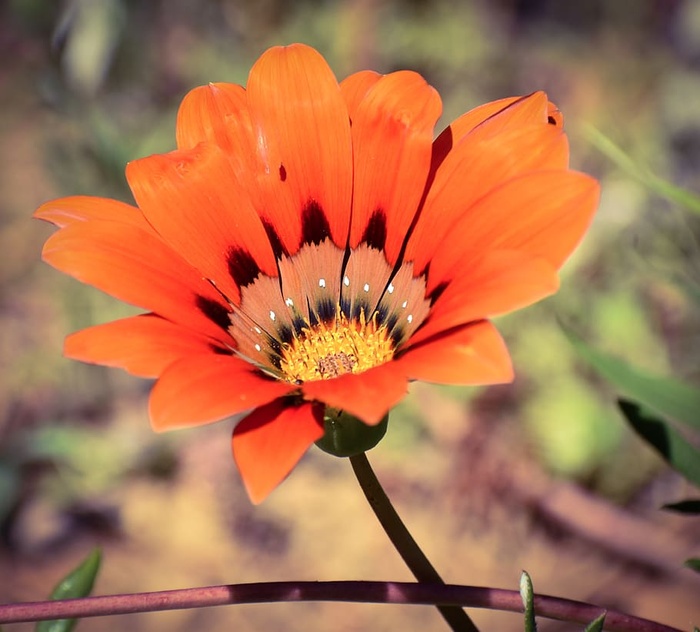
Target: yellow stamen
[(325, 351)]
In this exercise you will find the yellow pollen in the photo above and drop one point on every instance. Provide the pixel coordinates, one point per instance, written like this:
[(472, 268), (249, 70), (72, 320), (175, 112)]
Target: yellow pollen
[(325, 351)]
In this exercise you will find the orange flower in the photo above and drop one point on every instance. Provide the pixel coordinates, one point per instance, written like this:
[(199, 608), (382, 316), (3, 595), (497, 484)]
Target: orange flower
[(309, 244)]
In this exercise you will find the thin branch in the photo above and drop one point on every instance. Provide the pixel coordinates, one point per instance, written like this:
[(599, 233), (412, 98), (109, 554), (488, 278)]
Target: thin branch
[(403, 541), (339, 591)]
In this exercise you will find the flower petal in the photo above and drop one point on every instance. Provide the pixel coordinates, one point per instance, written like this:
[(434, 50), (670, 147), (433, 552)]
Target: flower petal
[(205, 388), (216, 113), (472, 354), (392, 135), (355, 86), (368, 396), (81, 208), (269, 442), (499, 282), (195, 201), (544, 214), (142, 345), (302, 131), (476, 166), (135, 266)]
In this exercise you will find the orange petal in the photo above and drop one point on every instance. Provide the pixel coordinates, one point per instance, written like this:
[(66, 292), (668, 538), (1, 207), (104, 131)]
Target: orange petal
[(497, 283), (302, 131), (80, 208), (473, 169), (135, 266), (543, 213), (473, 354), (205, 388), (217, 113), (196, 203), (368, 396), (142, 345), (269, 442), (392, 135), (354, 87)]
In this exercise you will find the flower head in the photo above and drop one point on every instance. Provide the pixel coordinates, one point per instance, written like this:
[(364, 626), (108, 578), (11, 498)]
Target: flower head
[(310, 244)]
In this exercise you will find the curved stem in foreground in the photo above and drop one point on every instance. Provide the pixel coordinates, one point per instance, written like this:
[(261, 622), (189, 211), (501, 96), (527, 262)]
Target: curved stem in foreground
[(403, 541), (341, 591)]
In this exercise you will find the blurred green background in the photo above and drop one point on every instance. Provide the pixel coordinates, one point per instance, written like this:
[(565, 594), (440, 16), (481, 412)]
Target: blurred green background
[(542, 474)]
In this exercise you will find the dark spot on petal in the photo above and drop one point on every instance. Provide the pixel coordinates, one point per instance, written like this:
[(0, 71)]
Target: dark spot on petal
[(358, 306), (277, 246), (325, 308), (397, 336), (241, 266), (314, 225), (285, 334), (551, 120), (298, 324), (214, 311), (437, 292), (219, 350), (375, 232), (283, 173)]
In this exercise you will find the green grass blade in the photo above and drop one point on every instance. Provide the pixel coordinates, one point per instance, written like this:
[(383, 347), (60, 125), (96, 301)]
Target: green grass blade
[(667, 441), (527, 594), (596, 625)]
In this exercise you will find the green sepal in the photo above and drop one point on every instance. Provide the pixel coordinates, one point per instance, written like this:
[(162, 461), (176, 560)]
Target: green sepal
[(596, 625), (78, 583), (346, 435)]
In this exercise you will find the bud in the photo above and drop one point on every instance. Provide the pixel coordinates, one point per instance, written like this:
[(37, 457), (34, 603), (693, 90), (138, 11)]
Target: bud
[(346, 435)]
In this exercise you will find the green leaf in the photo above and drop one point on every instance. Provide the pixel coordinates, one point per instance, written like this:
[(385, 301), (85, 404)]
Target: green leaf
[(667, 396), (658, 185), (693, 563), (528, 596), (78, 583), (667, 441), (690, 506), (597, 624)]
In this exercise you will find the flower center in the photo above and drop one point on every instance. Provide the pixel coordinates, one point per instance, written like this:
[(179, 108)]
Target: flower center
[(325, 351)]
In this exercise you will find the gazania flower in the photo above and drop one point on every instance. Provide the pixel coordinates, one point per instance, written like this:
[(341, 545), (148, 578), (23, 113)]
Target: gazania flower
[(309, 245)]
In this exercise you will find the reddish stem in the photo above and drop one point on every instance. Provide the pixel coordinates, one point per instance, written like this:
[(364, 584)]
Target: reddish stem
[(346, 591)]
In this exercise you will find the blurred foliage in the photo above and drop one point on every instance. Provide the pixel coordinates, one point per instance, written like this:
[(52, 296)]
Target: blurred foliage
[(86, 85)]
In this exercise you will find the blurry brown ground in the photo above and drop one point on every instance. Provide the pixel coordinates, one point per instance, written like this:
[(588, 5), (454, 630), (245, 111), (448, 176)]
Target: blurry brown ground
[(540, 475)]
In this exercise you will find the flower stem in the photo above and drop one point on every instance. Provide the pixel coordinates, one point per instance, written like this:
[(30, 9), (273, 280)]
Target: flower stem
[(403, 541), (338, 591)]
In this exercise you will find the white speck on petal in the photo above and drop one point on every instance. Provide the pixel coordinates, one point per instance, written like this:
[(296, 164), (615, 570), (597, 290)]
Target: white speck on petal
[(257, 347), (366, 287), (409, 318), (272, 315), (390, 289), (404, 304), (257, 330), (289, 302), (322, 283), (346, 281)]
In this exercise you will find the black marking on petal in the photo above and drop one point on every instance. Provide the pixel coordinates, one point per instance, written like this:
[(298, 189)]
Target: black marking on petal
[(437, 292), (283, 173), (298, 324), (551, 120), (360, 305), (325, 309), (285, 333), (277, 246), (214, 311), (241, 266), (314, 224), (397, 335), (345, 306), (375, 232), (219, 350), (275, 361)]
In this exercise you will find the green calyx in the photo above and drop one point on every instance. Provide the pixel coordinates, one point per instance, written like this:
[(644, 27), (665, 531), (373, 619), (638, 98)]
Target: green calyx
[(346, 435)]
